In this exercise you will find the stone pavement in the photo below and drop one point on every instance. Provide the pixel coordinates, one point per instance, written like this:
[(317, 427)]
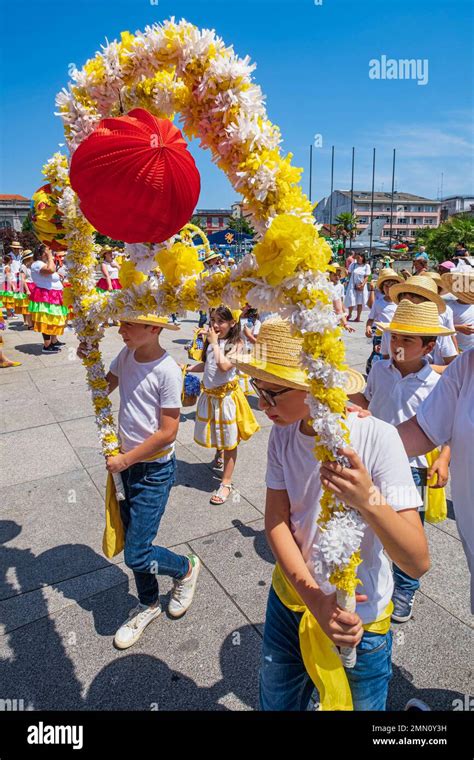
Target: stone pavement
[(61, 600)]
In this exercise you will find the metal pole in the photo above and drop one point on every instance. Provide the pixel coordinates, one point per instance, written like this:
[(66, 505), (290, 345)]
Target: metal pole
[(332, 185), (391, 202), (310, 169), (352, 199), (372, 206)]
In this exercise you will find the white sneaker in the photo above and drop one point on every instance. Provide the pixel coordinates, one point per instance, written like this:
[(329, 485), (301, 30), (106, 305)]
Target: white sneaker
[(183, 591), (133, 628)]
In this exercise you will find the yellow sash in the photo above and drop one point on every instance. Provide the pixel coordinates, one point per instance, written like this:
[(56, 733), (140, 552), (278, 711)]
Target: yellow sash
[(436, 508), (320, 655), (246, 423), (113, 540)]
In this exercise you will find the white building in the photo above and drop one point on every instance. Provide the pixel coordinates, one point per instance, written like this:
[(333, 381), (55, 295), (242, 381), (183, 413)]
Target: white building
[(13, 211), (456, 204), (410, 212)]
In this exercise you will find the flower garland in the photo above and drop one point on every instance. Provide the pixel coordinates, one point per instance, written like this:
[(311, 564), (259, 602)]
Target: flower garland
[(177, 68)]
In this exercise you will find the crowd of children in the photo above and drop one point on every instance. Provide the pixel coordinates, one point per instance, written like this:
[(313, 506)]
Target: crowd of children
[(422, 328)]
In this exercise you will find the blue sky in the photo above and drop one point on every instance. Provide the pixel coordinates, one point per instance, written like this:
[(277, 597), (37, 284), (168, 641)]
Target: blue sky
[(312, 64)]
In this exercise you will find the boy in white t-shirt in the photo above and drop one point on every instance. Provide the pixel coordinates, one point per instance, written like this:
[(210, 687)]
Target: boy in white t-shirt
[(395, 390), (295, 481), (383, 308), (150, 384)]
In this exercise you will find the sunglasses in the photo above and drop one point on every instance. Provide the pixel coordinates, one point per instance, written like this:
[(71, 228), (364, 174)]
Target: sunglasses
[(268, 396)]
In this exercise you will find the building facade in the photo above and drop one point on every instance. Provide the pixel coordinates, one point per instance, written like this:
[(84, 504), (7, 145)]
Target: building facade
[(213, 220), (13, 211), (456, 204), (410, 212)]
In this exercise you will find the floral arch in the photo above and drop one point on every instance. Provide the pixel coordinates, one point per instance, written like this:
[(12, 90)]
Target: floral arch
[(176, 68)]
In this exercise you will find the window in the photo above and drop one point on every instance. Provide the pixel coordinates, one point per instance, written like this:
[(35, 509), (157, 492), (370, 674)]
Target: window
[(215, 221), (362, 220), (402, 221), (429, 220)]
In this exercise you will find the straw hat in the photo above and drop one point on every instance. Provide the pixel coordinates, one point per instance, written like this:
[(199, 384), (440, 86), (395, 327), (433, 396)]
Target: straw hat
[(422, 286), (150, 319), (279, 363), (211, 256), (437, 278), (26, 255), (342, 270), (460, 284), (415, 319), (388, 274), (15, 244)]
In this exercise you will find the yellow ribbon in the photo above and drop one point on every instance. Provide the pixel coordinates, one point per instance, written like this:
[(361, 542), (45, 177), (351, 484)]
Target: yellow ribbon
[(436, 508), (113, 540), (320, 656)]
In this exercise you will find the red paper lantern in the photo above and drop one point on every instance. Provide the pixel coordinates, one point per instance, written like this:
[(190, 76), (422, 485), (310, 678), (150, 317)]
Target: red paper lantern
[(135, 178)]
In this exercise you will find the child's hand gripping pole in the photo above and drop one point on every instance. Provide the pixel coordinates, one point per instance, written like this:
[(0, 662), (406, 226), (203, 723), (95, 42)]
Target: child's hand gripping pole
[(119, 489), (347, 602)]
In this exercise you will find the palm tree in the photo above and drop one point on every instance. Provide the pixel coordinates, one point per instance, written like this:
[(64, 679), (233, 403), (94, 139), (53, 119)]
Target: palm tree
[(346, 226)]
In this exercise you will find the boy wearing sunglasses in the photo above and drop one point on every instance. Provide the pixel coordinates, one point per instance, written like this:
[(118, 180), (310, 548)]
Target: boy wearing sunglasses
[(303, 622)]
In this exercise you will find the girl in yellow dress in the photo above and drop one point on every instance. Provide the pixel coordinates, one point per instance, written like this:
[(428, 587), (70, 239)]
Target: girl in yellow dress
[(223, 415)]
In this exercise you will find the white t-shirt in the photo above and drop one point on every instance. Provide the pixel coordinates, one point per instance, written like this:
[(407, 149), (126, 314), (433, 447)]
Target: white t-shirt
[(292, 467), (15, 266), (394, 398), (339, 291), (27, 272), (145, 389), (463, 314), (447, 416), (387, 310), (112, 269), (381, 311), (48, 281), (444, 347), (213, 376), (254, 329)]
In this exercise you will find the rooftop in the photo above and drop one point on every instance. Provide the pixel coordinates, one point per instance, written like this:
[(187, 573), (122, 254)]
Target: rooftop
[(362, 195), (13, 198), (213, 211)]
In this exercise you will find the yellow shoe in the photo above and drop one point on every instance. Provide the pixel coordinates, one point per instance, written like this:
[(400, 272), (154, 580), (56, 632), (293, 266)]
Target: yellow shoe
[(4, 365)]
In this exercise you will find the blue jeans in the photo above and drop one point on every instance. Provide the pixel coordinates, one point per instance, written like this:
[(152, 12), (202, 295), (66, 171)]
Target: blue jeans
[(284, 681), (402, 581), (147, 486)]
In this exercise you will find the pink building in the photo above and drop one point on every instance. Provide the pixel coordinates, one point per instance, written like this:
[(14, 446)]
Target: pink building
[(410, 212)]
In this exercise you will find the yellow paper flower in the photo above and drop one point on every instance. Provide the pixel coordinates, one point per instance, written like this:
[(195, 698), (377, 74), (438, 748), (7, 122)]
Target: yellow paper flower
[(179, 261), (129, 276), (288, 243)]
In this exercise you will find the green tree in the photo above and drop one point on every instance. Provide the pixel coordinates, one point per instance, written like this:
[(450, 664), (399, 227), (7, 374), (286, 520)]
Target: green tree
[(241, 224), (197, 221), (346, 226), (105, 240), (441, 242)]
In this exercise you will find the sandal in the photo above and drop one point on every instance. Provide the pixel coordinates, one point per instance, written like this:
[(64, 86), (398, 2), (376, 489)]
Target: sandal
[(218, 463), (217, 497)]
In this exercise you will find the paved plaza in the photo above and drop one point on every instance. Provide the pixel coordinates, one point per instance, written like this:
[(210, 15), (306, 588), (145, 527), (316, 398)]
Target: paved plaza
[(61, 600)]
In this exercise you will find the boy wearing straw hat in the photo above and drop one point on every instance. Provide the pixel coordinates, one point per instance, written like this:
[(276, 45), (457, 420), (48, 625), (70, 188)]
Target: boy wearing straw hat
[(303, 621), (150, 384), (395, 389), (461, 285), (419, 289)]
